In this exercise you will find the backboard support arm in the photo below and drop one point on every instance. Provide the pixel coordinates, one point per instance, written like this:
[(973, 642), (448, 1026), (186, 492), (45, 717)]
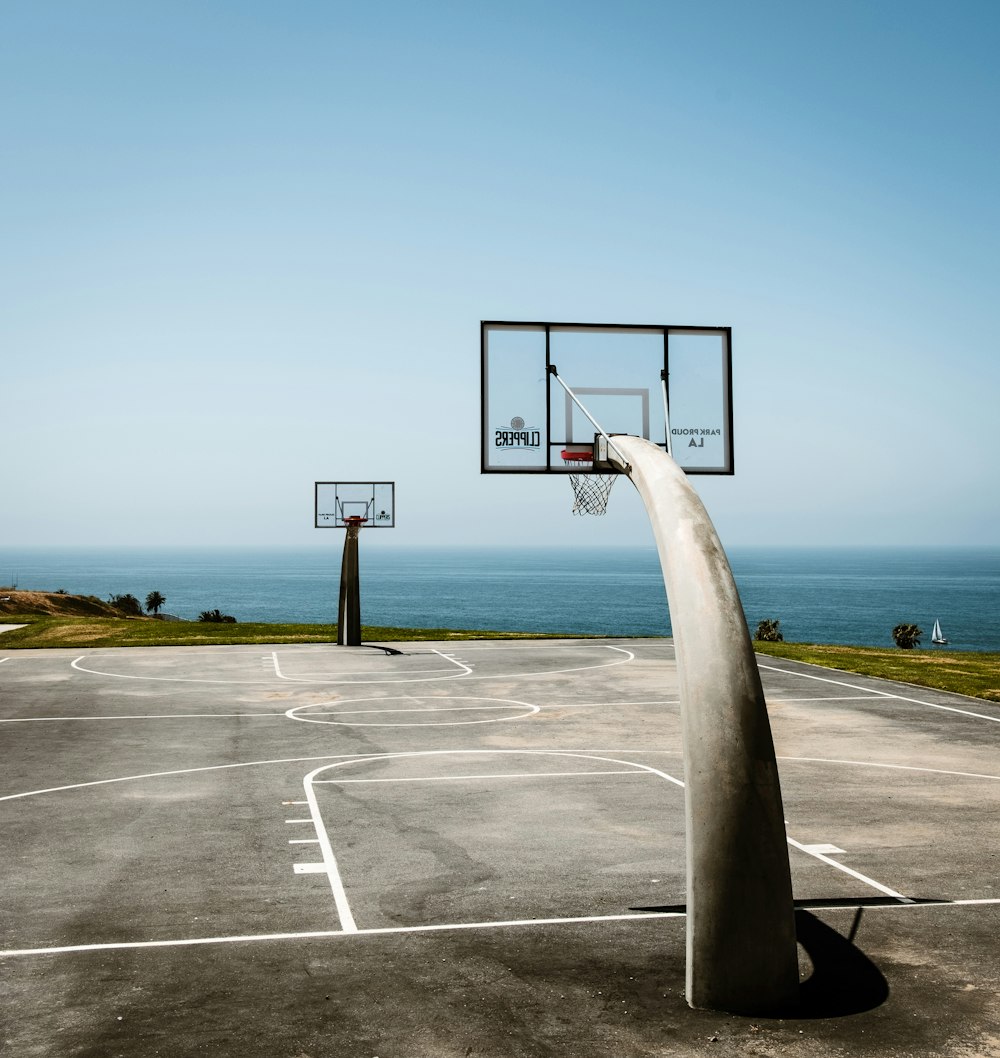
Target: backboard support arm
[(666, 413), (597, 426)]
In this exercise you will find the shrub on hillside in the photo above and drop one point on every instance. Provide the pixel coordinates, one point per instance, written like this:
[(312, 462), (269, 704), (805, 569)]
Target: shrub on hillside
[(217, 616), (128, 604)]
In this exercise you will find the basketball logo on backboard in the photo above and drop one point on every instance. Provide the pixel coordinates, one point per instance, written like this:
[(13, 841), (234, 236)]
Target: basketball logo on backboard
[(518, 436)]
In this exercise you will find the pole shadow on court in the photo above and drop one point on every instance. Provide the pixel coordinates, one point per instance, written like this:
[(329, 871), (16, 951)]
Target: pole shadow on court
[(844, 980)]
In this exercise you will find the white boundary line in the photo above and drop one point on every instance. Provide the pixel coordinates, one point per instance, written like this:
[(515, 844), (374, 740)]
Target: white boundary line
[(895, 767), (184, 942), (499, 775), (882, 694), (142, 716), (329, 933), (839, 698), (347, 922)]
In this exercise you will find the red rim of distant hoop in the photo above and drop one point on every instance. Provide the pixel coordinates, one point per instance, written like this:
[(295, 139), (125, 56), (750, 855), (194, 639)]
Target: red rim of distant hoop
[(573, 455), (354, 519)]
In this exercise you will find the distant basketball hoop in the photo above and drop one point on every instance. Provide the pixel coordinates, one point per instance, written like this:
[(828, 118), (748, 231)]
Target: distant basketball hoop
[(350, 505), (590, 490)]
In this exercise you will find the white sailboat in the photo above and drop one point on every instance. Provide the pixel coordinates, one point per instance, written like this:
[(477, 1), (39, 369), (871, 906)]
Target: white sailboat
[(937, 636)]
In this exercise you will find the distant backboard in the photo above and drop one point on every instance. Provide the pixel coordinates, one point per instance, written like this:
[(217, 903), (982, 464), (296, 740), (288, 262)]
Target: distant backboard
[(339, 503), (631, 379)]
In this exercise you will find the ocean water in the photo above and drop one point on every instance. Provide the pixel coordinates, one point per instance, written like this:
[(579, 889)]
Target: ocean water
[(822, 595)]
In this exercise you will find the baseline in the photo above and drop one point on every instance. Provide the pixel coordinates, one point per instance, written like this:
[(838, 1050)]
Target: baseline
[(183, 942)]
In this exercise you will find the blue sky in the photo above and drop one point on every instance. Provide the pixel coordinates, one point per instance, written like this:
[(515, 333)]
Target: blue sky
[(247, 246)]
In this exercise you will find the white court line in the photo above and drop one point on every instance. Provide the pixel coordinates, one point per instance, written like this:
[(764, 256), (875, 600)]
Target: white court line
[(142, 716), (329, 933), (630, 764), (895, 767), (168, 774), (811, 850), (75, 664), (422, 678), (826, 679), (839, 698), (298, 712), (608, 705), (329, 860), (883, 694), (453, 660), (449, 709), (496, 775), (184, 942), (251, 683), (340, 675)]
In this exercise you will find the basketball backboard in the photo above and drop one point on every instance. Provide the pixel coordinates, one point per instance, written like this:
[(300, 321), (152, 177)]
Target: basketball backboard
[(638, 380), (340, 503)]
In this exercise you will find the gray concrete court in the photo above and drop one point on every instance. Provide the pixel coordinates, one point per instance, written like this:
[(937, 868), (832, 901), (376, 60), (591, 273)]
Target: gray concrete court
[(466, 849)]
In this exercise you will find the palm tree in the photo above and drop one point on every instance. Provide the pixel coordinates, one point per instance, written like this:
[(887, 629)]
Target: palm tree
[(907, 636), (154, 600), (769, 631)]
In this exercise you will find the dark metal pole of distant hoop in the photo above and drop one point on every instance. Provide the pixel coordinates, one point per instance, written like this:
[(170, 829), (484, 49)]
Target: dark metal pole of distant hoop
[(349, 613)]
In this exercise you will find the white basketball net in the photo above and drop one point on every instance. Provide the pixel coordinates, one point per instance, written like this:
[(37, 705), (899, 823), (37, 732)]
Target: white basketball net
[(590, 491)]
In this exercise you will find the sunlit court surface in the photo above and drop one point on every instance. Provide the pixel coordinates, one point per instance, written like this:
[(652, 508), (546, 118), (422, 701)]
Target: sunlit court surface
[(467, 849)]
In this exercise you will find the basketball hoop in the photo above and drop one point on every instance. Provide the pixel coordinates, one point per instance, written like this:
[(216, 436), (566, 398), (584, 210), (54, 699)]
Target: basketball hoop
[(590, 491)]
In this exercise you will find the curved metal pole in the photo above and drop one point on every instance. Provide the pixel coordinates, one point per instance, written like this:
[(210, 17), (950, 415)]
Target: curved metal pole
[(741, 949)]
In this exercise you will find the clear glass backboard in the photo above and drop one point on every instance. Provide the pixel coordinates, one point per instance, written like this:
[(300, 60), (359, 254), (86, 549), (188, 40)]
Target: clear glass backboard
[(656, 382), (339, 503)]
